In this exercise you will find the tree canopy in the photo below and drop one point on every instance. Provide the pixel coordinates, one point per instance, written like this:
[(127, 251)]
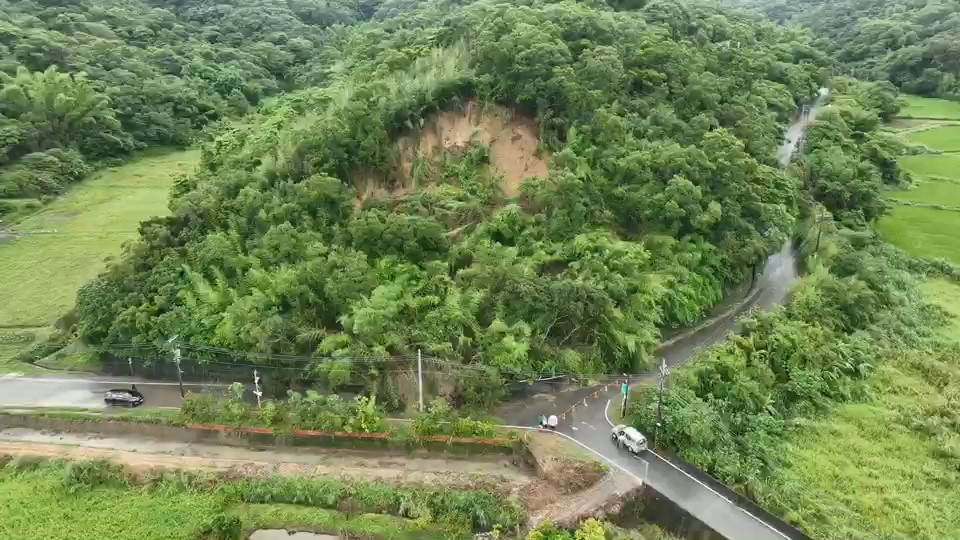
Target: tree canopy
[(84, 80), (661, 126), (913, 44)]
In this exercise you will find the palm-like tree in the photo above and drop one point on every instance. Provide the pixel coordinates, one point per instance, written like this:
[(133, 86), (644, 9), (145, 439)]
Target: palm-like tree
[(57, 105)]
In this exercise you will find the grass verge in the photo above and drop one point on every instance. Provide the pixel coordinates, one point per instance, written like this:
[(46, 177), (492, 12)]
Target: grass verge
[(65, 244)]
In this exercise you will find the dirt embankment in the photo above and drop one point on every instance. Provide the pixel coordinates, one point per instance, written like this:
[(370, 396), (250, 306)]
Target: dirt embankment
[(562, 481), (140, 455), (513, 140)]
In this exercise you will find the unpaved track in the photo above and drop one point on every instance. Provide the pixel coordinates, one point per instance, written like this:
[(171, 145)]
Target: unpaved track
[(146, 454)]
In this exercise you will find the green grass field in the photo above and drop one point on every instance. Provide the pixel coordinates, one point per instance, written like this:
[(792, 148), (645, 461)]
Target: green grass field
[(37, 507), (923, 232), (65, 244), (946, 294), (888, 467), (932, 192), (946, 165), (940, 139), (922, 107), (40, 503)]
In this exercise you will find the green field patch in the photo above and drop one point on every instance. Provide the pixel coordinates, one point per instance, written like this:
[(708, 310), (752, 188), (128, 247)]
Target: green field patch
[(923, 232), (941, 139), (945, 294), (862, 474), (941, 192), (923, 107), (65, 244), (946, 165), (36, 506), (93, 500)]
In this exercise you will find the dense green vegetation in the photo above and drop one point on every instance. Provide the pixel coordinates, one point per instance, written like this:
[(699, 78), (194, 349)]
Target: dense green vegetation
[(83, 80), (911, 43), (592, 529), (663, 190), (787, 410)]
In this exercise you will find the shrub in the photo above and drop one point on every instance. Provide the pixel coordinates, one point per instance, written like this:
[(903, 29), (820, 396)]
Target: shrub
[(26, 463), (221, 527), (441, 419), (199, 408), (80, 475)]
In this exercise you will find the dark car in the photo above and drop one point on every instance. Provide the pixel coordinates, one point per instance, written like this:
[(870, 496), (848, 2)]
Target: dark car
[(123, 398)]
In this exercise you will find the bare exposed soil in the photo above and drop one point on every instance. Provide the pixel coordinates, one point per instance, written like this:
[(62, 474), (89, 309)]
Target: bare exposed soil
[(513, 140)]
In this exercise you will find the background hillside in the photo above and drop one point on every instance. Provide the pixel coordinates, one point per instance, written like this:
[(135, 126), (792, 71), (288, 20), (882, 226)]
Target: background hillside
[(660, 127), (914, 44)]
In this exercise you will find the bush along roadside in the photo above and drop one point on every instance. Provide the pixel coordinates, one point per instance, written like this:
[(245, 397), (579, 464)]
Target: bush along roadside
[(309, 419), (731, 412)]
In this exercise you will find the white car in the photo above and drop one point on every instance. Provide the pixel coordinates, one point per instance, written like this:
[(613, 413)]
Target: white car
[(629, 438)]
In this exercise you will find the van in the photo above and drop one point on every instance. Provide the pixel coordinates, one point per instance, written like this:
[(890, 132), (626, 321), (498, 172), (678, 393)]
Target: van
[(629, 438)]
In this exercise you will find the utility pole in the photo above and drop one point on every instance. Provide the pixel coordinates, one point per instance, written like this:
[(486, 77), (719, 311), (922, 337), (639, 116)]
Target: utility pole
[(626, 393), (176, 358), (256, 388), (420, 378), (663, 379)]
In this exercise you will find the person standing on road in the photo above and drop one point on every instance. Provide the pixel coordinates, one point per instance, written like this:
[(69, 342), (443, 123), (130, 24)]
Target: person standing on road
[(552, 422)]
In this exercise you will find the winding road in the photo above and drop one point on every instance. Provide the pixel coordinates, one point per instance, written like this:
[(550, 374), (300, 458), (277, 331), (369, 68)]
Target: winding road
[(589, 424)]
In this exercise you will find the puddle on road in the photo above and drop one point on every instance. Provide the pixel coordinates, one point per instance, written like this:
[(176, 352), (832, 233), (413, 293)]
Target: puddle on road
[(283, 534)]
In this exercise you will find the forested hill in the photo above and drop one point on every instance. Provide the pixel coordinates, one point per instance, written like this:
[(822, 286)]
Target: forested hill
[(659, 126), (915, 44), (83, 80)]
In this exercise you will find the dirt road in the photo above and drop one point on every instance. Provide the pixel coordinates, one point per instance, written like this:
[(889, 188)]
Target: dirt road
[(145, 454)]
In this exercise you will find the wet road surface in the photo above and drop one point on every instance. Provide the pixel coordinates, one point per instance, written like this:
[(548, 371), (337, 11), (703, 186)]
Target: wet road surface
[(87, 392)]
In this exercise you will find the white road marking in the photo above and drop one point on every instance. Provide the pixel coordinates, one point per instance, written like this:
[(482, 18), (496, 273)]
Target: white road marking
[(588, 449), (688, 475)]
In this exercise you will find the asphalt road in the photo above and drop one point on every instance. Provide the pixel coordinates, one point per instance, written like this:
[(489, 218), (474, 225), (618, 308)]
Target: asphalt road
[(87, 392)]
